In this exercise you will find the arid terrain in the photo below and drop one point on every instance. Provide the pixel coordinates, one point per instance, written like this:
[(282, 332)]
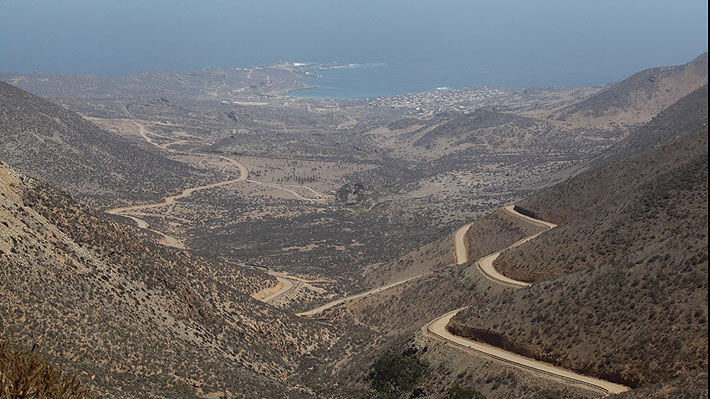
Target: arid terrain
[(204, 234)]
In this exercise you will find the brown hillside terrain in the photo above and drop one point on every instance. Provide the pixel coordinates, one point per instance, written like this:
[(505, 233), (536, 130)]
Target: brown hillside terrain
[(133, 319), (614, 210), (640, 97), (397, 314), (680, 118), (691, 385), (637, 312), (55, 145), (671, 123), (430, 257), (496, 231)]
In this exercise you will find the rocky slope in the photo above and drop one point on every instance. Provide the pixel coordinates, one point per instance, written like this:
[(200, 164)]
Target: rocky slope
[(638, 98), (133, 319), (615, 210), (57, 146), (631, 305)]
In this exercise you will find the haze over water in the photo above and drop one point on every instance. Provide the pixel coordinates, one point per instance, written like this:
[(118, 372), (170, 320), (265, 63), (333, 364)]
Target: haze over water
[(398, 46)]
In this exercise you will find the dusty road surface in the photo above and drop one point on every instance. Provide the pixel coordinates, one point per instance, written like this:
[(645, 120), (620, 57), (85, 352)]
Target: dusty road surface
[(283, 286), (460, 249), (461, 253), (167, 240), (438, 329), (485, 264), (511, 209), (377, 290)]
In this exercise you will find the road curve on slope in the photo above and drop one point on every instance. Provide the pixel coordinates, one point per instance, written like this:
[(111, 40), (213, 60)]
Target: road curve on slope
[(461, 257), (167, 240), (485, 264), (283, 286), (460, 249), (437, 327), (511, 209), (286, 286), (377, 290)]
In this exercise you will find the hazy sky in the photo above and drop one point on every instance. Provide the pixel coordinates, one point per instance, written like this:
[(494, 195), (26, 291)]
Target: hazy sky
[(127, 36)]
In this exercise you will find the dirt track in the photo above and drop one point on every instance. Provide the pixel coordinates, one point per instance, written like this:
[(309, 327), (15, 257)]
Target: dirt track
[(461, 252), (129, 211), (437, 328), (461, 257), (283, 286), (485, 264), (329, 305)]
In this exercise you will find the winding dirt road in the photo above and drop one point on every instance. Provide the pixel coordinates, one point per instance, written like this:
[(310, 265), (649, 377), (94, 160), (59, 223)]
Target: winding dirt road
[(485, 264), (169, 201), (283, 286), (437, 327), (460, 249), (377, 290), (130, 211), (461, 256), (184, 194)]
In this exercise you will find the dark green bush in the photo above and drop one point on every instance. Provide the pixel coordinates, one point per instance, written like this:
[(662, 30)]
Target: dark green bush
[(394, 374)]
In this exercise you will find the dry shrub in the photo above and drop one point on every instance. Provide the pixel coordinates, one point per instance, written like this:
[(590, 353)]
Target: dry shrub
[(24, 374)]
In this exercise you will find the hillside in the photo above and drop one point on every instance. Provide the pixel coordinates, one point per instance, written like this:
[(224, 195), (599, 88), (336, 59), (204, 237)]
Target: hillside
[(608, 209), (631, 305), (496, 231), (396, 315), (637, 99), (676, 120), (691, 385), (57, 146), (133, 319)]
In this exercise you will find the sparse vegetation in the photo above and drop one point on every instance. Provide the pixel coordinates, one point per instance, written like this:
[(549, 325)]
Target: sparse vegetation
[(632, 309), (376, 189), (463, 393)]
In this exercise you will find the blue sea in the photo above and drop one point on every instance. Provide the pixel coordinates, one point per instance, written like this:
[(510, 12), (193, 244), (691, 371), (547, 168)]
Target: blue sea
[(382, 48), (383, 79), (377, 79)]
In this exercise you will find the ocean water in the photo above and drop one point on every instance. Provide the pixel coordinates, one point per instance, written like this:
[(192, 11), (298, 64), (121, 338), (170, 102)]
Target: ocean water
[(378, 79), (383, 79), (387, 47)]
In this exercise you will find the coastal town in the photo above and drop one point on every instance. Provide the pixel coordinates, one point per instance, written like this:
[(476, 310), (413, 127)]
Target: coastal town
[(444, 99)]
